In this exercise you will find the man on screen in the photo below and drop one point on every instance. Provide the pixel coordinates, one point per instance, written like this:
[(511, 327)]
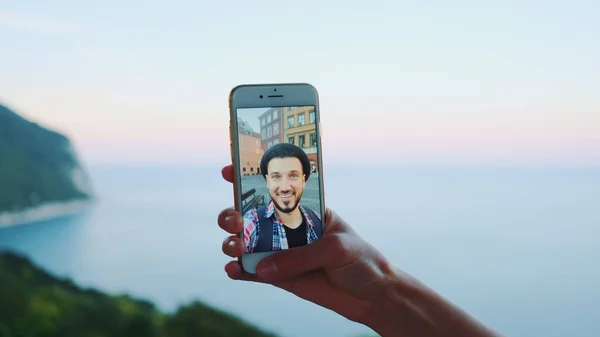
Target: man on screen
[(283, 223)]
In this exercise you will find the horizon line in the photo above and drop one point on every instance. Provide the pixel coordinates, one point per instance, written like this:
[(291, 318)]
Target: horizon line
[(592, 166)]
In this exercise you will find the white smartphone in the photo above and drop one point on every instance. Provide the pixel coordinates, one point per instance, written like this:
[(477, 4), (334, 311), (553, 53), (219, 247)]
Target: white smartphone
[(276, 153)]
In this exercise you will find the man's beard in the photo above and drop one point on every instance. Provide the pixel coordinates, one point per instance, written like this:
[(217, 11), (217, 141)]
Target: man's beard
[(287, 209)]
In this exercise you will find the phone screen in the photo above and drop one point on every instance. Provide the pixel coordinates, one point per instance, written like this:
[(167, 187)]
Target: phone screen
[(280, 182)]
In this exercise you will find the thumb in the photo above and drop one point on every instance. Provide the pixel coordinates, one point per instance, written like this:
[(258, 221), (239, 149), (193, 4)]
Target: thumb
[(326, 253)]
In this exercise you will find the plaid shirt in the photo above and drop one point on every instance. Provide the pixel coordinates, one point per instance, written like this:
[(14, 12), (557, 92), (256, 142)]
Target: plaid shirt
[(280, 242)]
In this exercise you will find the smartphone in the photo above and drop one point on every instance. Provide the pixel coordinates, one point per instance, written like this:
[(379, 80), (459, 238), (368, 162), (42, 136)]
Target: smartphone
[(275, 134)]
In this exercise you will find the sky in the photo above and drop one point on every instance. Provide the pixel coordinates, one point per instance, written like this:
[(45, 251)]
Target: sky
[(400, 82), (251, 116)]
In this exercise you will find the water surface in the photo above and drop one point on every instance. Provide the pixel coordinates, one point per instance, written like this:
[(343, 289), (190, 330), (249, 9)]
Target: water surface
[(516, 247)]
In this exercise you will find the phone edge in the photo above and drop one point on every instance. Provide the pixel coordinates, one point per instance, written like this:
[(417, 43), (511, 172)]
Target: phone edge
[(234, 158)]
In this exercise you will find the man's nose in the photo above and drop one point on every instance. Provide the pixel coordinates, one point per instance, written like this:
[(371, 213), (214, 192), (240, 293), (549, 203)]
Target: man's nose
[(285, 184)]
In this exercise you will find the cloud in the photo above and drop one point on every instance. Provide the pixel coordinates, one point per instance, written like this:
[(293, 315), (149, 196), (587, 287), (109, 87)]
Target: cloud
[(36, 25)]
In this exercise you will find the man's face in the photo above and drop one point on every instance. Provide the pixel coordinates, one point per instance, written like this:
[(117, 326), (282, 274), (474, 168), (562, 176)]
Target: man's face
[(285, 182)]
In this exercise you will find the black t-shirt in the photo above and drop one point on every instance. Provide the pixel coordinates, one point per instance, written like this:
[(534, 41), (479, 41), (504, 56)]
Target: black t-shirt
[(296, 237)]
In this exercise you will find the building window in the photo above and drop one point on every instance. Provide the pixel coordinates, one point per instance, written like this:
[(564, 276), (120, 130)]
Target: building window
[(301, 141), (313, 139), (290, 122), (274, 114), (269, 132), (301, 120), (311, 117), (291, 140), (262, 121), (268, 118), (270, 144), (275, 130), (263, 134), (276, 141)]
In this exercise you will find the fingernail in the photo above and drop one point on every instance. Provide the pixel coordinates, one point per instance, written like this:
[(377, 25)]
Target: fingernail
[(267, 269), (231, 245)]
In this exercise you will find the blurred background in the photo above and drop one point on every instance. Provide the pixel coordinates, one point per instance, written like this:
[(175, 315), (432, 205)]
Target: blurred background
[(462, 139)]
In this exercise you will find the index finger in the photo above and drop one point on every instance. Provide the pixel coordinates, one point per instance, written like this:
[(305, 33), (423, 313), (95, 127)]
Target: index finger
[(227, 173), (231, 221)]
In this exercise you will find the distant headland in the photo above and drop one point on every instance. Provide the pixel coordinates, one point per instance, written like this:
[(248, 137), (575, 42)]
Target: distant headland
[(41, 176)]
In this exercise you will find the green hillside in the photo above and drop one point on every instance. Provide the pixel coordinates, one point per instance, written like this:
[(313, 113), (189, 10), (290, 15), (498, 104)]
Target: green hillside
[(36, 165), (35, 303)]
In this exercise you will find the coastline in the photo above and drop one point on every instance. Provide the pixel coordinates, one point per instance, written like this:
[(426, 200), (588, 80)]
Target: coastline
[(45, 211)]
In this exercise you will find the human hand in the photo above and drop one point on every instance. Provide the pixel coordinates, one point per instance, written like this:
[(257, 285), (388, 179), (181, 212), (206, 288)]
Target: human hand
[(340, 271), (344, 273)]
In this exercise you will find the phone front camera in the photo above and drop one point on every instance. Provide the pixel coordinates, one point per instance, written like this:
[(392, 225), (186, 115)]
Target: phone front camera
[(260, 96)]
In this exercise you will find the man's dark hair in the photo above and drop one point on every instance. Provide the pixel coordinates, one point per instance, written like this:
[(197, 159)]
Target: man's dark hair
[(285, 150)]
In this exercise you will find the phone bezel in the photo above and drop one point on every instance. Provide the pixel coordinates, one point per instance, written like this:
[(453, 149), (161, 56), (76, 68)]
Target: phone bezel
[(273, 95)]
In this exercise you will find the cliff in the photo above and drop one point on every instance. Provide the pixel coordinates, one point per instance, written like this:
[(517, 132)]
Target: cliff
[(40, 174), (36, 303)]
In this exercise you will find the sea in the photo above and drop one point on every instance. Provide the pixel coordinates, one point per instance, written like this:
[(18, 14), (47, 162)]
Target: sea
[(518, 248)]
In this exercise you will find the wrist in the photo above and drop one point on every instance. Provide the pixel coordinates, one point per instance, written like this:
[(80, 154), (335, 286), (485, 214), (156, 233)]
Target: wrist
[(406, 307)]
